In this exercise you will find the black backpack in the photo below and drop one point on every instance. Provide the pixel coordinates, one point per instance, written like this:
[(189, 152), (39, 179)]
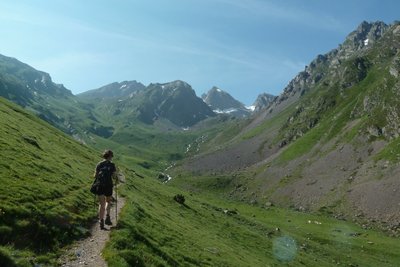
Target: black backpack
[(102, 179)]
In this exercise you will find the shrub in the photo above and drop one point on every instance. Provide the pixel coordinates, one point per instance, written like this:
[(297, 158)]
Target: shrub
[(179, 198)]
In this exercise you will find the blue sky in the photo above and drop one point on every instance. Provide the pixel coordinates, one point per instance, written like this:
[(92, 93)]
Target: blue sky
[(245, 47)]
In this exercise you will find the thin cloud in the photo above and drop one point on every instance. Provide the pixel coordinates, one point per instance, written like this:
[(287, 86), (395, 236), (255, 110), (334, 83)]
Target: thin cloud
[(285, 13), (70, 60)]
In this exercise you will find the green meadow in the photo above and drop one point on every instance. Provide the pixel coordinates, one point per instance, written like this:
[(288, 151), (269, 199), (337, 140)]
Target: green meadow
[(211, 230)]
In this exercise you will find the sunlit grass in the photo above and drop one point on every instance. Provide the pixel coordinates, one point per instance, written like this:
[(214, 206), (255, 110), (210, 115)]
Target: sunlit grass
[(45, 176), (154, 230)]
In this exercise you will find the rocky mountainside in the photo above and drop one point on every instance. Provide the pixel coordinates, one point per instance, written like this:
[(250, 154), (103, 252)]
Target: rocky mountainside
[(263, 101), (332, 64), (175, 101), (330, 142), (52, 102), (24, 85), (222, 102)]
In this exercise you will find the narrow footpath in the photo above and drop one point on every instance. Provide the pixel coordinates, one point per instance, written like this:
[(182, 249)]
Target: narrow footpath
[(87, 252)]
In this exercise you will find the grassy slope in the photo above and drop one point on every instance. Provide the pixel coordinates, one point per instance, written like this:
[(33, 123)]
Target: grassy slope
[(373, 102), (154, 230), (45, 177)]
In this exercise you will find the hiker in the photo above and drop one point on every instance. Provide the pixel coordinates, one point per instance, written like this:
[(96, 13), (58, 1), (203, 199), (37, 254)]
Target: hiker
[(105, 170)]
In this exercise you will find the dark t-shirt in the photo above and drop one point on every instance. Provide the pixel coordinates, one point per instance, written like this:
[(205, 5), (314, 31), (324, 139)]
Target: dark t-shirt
[(108, 168)]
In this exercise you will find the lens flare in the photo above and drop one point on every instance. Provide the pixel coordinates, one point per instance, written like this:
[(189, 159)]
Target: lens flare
[(284, 248)]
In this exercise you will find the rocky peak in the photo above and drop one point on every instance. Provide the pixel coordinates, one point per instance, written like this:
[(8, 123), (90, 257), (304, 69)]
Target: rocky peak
[(175, 101), (178, 83), (262, 101), (172, 86), (219, 99), (222, 102), (366, 34)]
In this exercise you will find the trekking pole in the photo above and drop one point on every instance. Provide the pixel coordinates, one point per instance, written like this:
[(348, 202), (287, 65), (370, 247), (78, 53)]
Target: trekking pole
[(116, 201)]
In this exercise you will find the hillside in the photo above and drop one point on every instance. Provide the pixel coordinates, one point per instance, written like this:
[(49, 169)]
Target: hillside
[(35, 91), (329, 142), (45, 176)]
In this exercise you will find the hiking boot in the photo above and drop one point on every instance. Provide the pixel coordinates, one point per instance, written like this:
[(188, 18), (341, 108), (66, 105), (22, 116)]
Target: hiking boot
[(108, 220), (102, 224)]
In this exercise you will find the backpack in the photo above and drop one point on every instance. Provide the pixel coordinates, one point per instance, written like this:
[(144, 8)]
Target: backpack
[(98, 184), (102, 179)]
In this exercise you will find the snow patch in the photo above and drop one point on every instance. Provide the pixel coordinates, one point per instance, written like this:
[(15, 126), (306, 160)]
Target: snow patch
[(219, 90), (225, 111), (252, 108), (123, 86), (366, 41)]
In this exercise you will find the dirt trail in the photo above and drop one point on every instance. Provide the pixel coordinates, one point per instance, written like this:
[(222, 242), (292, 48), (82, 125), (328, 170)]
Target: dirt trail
[(87, 252)]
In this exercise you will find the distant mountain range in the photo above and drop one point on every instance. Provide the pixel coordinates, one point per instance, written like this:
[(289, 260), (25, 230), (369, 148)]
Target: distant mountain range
[(175, 101)]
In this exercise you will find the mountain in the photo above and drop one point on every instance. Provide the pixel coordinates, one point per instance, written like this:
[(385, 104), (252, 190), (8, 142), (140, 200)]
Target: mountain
[(52, 102), (329, 142), (222, 102), (263, 101), (23, 84), (175, 101), (114, 90)]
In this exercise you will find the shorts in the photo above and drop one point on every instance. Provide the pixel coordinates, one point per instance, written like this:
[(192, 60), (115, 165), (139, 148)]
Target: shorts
[(106, 191)]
